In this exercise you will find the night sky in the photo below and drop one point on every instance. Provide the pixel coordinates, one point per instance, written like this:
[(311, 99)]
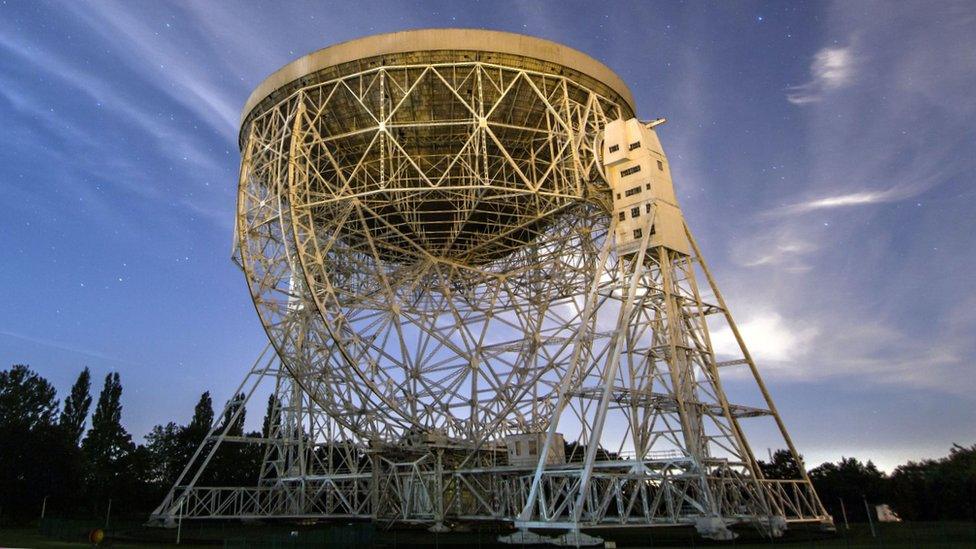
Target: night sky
[(824, 155)]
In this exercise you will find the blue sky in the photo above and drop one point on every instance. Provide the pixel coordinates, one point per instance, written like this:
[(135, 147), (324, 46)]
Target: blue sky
[(824, 154)]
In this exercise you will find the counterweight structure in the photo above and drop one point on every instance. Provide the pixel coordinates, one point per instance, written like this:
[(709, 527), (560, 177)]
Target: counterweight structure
[(484, 304)]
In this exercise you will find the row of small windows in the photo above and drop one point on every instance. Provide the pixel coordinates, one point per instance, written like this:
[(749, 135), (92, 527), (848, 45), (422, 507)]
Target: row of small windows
[(632, 146), (634, 190), (635, 211), (637, 168), (634, 169), (630, 171), (639, 233)]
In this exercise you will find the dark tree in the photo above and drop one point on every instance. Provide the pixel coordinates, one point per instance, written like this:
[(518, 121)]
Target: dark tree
[(194, 433), (937, 489), (171, 446), (851, 481), (138, 490), (35, 458), (236, 462), (576, 452), (26, 399), (203, 415), (272, 415), (76, 407), (783, 466), (107, 446), (166, 453), (108, 442), (236, 424)]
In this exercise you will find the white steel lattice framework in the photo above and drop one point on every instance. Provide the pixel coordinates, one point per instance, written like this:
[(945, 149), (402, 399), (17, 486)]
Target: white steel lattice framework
[(426, 224)]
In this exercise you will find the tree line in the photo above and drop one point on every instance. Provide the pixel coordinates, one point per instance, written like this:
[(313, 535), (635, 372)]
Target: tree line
[(48, 452), (50, 457), (931, 489)]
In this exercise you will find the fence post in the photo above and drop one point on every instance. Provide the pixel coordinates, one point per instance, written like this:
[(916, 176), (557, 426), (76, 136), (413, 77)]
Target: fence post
[(108, 514), (179, 522), (868, 511)]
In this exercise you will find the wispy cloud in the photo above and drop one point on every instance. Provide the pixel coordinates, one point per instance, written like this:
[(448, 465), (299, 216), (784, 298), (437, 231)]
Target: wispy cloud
[(72, 143), (832, 68), (859, 198), (822, 344), (886, 353), (69, 348), (98, 91), (769, 337), (841, 274), (779, 248), (921, 175), (781, 256), (163, 62)]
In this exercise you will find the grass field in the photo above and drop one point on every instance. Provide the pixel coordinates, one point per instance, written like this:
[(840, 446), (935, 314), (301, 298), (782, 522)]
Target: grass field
[(72, 534), (29, 537)]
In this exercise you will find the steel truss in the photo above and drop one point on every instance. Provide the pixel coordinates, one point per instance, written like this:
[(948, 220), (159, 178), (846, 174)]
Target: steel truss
[(430, 250)]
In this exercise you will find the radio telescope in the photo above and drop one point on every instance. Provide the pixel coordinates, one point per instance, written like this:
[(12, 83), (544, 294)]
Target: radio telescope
[(484, 304)]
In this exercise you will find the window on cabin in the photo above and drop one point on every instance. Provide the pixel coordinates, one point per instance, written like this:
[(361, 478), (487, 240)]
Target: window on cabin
[(621, 216), (630, 171), (647, 207), (614, 148), (618, 196), (660, 165), (638, 233), (632, 191), (635, 212), (633, 146)]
